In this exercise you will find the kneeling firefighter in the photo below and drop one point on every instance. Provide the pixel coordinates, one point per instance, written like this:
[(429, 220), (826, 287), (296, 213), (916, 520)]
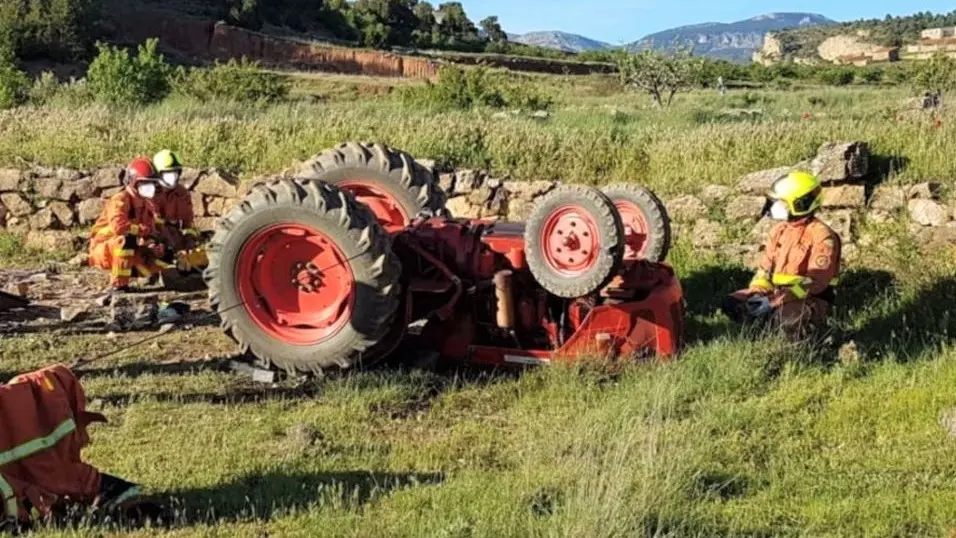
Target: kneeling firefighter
[(794, 285), (43, 428), (121, 240), (175, 217)]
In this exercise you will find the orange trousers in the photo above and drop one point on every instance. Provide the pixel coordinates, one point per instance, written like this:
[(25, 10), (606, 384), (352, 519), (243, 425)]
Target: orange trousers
[(123, 263), (43, 422)]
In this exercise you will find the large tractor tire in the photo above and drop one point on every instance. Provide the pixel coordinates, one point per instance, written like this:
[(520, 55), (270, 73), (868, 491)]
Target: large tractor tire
[(647, 228), (574, 241), (395, 186), (303, 276)]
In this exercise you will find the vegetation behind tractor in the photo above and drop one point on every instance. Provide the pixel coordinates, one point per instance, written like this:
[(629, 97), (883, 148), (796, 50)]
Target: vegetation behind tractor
[(339, 265)]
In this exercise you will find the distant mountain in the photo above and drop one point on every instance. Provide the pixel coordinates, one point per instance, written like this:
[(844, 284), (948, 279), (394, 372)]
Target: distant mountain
[(734, 41), (559, 41)]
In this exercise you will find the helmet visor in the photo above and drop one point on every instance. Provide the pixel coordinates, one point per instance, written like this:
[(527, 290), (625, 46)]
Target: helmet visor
[(169, 179)]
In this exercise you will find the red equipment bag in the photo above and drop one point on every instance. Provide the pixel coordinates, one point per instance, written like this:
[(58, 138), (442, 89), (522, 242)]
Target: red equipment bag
[(43, 422)]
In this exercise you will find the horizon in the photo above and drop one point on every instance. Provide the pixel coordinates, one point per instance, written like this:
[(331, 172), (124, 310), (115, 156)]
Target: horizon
[(626, 21)]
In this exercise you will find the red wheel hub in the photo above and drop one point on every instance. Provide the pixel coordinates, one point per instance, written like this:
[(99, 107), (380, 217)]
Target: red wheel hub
[(295, 283), (635, 229), (383, 205), (570, 240)]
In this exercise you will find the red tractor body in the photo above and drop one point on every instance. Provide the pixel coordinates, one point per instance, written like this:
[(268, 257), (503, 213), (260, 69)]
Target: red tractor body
[(356, 255)]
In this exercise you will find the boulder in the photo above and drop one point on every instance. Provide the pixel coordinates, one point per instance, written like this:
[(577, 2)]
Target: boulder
[(706, 233), (840, 161), (745, 208), (89, 210), (81, 189), (841, 221), (528, 190), (686, 208), (888, 198), (481, 196), (206, 224), (49, 241), (199, 205), (67, 174), (928, 190), (17, 224), (16, 204), (44, 219), (840, 196), (497, 205), (447, 182), (63, 213), (10, 179), (215, 206), (928, 212), (759, 183), (519, 209), (713, 194), (944, 235), (107, 178), (48, 187), (189, 177), (467, 181), (461, 207), (217, 183)]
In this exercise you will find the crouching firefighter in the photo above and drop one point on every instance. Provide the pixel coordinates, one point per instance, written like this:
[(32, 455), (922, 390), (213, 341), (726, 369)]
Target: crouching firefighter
[(794, 285), (175, 218), (43, 428), (121, 240)]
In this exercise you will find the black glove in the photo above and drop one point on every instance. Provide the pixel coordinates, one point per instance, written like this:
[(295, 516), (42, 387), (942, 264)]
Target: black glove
[(130, 243)]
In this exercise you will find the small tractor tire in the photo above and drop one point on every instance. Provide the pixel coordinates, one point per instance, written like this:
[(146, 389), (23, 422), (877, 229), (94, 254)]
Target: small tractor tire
[(647, 225), (287, 323), (574, 241), (395, 186)]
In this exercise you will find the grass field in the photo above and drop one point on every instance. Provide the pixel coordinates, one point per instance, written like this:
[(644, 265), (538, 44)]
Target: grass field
[(743, 436)]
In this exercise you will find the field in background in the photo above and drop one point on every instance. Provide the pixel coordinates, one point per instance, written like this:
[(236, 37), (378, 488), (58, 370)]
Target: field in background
[(741, 437)]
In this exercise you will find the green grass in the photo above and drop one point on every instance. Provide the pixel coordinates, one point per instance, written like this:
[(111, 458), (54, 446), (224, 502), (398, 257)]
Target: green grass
[(742, 436)]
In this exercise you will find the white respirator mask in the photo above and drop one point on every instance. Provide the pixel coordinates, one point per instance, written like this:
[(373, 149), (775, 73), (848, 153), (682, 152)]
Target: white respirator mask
[(779, 211), (146, 190), (169, 179)]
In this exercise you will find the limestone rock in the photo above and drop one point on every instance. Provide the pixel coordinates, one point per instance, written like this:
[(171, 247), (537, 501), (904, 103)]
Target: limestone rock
[(110, 192), (852, 196), (879, 215), (206, 224), (189, 177), (67, 174), (89, 210), (75, 313), (63, 213), (17, 224), (497, 205), (10, 179), (928, 190), (686, 208), (48, 187), (81, 189), (427, 164), (467, 181), (215, 206), (44, 219), (759, 183), (481, 196), (944, 235), (712, 194), (745, 207), (49, 241), (841, 221), (839, 161), (518, 210), (528, 190), (447, 182), (199, 204), (927, 212), (16, 204), (460, 207), (888, 198), (217, 183), (107, 178), (706, 233)]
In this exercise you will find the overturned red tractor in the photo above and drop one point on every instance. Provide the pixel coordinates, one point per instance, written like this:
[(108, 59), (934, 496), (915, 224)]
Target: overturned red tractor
[(337, 266)]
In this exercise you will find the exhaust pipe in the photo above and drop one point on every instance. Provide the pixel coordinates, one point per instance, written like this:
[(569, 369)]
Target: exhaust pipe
[(506, 307)]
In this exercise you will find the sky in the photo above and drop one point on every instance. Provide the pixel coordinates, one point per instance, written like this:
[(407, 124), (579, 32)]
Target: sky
[(624, 21)]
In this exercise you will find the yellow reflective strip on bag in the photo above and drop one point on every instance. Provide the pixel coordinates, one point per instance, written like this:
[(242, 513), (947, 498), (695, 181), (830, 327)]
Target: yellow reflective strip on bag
[(30, 448), (124, 253), (122, 272), (787, 280), (9, 499)]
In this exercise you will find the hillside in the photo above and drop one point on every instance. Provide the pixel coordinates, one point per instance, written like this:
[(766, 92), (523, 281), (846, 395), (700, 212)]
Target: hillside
[(559, 41), (732, 41)]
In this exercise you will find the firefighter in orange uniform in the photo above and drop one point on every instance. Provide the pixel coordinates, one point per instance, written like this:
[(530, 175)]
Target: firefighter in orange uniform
[(795, 282), (121, 240), (174, 205), (43, 428)]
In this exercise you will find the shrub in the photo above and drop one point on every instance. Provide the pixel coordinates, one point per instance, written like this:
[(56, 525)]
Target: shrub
[(116, 77), (240, 81), (44, 89), (836, 76), (464, 89), (14, 84)]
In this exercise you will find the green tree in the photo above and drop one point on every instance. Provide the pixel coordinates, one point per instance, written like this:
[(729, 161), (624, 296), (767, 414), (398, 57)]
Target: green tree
[(936, 75), (117, 78), (493, 29), (427, 26), (454, 27), (659, 75)]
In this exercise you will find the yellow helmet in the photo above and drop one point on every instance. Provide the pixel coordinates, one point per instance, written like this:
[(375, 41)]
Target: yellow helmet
[(801, 191), (166, 160)]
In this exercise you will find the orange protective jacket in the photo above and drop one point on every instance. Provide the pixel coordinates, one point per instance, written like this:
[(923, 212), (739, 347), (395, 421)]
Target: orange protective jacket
[(43, 421), (175, 205), (801, 257), (124, 214)]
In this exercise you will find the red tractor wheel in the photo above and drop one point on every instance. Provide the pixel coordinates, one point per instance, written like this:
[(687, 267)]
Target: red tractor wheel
[(390, 182), (303, 276), (647, 228), (574, 241)]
